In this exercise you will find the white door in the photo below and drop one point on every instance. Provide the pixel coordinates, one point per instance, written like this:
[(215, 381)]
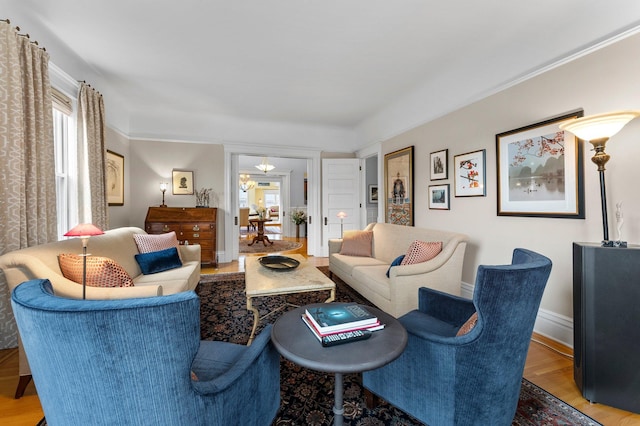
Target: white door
[(340, 193)]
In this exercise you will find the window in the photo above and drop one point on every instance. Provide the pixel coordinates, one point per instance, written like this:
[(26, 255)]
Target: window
[(64, 145)]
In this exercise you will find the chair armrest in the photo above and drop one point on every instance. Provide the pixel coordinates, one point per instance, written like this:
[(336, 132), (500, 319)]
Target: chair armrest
[(190, 252), (335, 245), (444, 306), (260, 345)]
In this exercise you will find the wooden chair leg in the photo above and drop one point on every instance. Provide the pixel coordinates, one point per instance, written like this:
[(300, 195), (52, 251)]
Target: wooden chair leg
[(371, 400), (22, 385)]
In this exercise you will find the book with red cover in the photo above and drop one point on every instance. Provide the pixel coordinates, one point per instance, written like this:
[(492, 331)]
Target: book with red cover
[(375, 327)]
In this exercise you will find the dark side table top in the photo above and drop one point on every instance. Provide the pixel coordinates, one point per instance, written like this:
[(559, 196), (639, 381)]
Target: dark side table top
[(295, 341)]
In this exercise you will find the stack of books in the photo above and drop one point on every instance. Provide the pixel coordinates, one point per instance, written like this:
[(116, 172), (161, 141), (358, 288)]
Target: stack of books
[(332, 319)]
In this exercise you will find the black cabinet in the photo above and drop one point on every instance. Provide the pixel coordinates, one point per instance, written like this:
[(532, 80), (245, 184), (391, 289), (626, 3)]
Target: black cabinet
[(606, 313)]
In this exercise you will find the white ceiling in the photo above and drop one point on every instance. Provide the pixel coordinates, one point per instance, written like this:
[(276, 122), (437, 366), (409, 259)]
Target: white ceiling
[(335, 63)]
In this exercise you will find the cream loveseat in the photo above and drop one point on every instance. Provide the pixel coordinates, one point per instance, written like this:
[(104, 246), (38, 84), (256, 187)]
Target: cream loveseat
[(117, 244), (398, 294)]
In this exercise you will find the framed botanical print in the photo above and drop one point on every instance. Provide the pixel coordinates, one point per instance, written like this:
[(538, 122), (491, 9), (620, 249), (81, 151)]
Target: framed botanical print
[(469, 174), (182, 182), (115, 179), (540, 171), (398, 186)]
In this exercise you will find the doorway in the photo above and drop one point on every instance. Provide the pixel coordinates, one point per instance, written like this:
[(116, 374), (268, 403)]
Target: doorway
[(292, 169)]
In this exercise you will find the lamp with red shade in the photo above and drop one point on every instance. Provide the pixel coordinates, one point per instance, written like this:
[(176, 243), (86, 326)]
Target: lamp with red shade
[(84, 231)]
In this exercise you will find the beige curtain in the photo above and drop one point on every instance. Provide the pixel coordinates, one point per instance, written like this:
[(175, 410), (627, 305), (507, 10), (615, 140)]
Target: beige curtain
[(92, 187), (27, 165)]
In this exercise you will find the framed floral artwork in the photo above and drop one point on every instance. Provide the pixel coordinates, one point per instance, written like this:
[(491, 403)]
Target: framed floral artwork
[(469, 174), (540, 171)]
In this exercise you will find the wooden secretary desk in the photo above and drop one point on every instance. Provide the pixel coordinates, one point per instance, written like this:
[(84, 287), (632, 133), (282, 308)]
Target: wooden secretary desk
[(192, 226)]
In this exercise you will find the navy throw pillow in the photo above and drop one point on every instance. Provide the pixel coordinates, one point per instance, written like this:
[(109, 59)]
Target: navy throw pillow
[(158, 261), (395, 262)]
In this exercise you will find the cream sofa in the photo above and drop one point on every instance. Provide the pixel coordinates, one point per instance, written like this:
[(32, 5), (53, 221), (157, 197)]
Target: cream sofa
[(398, 294), (118, 244)]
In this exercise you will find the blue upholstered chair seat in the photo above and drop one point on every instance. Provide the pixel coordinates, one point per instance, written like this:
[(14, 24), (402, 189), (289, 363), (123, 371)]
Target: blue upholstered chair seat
[(472, 379), (129, 362)]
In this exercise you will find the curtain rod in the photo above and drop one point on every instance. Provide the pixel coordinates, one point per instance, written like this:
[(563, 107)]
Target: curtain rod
[(85, 82), (24, 35)]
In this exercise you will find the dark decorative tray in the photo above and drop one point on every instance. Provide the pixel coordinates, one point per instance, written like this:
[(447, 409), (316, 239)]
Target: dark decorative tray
[(279, 263)]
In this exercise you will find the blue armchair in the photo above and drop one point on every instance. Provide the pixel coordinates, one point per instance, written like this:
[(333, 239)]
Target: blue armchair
[(130, 361), (469, 379)]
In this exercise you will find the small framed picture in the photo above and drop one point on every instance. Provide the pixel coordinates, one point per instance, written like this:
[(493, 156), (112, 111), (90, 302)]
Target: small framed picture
[(373, 194), (182, 182), (469, 173), (439, 197), (115, 179), (439, 161)]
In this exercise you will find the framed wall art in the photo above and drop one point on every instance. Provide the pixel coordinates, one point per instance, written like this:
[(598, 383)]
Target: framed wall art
[(439, 161), (182, 182), (115, 179), (439, 197), (469, 174), (398, 186), (373, 194), (540, 171)]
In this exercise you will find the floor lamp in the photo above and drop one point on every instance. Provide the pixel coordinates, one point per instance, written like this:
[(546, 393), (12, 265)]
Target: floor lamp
[(84, 231), (341, 215), (597, 129)]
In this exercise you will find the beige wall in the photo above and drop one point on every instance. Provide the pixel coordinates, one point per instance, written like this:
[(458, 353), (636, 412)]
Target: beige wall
[(606, 80), (152, 162)]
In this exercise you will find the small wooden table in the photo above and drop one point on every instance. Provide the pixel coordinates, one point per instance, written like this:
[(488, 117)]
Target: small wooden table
[(260, 236), (294, 341), (264, 282)]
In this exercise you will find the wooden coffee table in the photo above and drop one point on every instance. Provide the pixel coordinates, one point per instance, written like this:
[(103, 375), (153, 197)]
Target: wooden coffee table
[(263, 282)]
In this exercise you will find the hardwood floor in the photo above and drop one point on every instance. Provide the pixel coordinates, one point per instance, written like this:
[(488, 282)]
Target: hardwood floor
[(548, 365)]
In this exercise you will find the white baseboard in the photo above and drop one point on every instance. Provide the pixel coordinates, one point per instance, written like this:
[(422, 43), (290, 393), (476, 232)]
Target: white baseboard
[(549, 324)]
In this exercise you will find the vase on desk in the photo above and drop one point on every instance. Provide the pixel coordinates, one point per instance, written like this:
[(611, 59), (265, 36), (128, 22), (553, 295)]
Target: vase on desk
[(297, 230)]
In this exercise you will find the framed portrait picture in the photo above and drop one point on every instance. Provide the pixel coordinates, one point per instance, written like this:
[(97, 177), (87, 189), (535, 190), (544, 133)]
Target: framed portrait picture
[(439, 197), (540, 171), (469, 174), (182, 182), (373, 194), (115, 179), (439, 162), (398, 186)]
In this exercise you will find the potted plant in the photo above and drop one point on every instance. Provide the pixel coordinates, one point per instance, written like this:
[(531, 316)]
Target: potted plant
[(298, 217)]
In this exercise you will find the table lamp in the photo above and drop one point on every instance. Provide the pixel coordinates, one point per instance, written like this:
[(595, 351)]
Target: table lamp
[(163, 188), (597, 129), (84, 231)]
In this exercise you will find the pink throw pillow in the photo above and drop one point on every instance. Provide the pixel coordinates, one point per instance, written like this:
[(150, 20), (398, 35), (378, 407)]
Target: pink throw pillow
[(148, 243), (357, 243), (421, 251), (468, 325), (101, 271)]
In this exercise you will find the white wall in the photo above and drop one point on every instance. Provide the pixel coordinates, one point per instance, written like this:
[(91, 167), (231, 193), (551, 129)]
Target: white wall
[(603, 81)]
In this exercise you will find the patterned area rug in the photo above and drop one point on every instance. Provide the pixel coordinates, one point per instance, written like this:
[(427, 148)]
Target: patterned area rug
[(307, 395), (259, 247)]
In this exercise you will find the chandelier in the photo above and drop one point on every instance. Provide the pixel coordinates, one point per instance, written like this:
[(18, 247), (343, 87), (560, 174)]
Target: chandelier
[(245, 183), (265, 166)]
